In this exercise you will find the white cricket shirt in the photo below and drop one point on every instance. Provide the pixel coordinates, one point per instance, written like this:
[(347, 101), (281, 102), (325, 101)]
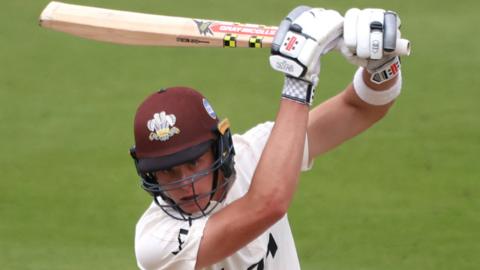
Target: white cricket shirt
[(162, 242)]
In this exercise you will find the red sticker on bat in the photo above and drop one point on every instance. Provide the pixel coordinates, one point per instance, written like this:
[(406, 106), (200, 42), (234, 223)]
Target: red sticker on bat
[(242, 29)]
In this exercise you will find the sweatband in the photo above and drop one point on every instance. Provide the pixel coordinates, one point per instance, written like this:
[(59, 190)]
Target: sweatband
[(375, 97)]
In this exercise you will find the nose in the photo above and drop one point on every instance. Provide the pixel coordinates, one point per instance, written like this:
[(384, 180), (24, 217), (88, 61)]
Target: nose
[(182, 172)]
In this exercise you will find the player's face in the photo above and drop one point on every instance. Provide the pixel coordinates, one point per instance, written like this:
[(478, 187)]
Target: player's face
[(192, 194)]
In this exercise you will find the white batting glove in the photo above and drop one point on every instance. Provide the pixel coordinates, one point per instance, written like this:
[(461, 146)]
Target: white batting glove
[(302, 37), (371, 39)]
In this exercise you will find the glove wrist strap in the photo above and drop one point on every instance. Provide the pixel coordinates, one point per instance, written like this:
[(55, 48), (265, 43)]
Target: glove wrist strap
[(298, 90), (386, 72)]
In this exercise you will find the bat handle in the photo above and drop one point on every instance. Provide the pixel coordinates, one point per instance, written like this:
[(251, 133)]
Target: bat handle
[(403, 48)]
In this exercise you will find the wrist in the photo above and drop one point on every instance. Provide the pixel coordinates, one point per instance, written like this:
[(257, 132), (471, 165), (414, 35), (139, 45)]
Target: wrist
[(367, 76), (298, 90)]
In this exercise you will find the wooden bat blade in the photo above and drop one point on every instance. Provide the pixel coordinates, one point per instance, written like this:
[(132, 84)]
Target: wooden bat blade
[(132, 28)]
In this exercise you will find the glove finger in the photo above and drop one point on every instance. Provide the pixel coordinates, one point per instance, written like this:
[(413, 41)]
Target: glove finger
[(324, 27), (310, 23), (296, 12), (390, 31), (304, 22), (317, 12), (331, 23), (363, 33), (376, 33), (332, 45), (285, 26), (365, 19), (350, 56), (350, 28)]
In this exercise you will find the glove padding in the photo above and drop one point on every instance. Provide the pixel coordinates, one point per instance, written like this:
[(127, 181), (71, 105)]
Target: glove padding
[(312, 33), (302, 37), (371, 39)]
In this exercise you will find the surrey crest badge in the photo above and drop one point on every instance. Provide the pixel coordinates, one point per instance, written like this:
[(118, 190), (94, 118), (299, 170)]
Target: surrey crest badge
[(162, 127)]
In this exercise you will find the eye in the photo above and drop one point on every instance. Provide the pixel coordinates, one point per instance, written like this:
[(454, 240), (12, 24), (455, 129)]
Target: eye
[(193, 163), (169, 170)]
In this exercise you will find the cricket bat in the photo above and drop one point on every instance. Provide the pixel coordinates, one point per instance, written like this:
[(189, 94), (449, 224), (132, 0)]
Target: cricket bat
[(133, 28)]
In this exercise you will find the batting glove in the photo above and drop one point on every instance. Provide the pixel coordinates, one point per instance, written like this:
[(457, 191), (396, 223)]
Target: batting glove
[(302, 37), (371, 39)]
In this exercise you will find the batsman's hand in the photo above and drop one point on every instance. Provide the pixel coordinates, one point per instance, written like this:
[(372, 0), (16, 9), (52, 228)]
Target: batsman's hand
[(302, 37), (372, 39)]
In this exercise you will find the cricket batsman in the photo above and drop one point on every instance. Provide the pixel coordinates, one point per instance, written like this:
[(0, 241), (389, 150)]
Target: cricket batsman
[(221, 201)]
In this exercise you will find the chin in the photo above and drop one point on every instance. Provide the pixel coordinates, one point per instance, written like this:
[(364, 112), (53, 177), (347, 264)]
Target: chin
[(192, 208)]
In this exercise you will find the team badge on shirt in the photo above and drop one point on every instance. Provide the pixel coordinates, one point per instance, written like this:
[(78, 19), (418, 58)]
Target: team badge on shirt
[(162, 127)]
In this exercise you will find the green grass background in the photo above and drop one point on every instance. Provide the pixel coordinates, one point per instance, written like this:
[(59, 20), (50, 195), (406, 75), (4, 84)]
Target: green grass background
[(404, 195)]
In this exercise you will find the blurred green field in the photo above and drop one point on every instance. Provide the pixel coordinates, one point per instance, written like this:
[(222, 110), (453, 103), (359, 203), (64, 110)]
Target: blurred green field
[(404, 195)]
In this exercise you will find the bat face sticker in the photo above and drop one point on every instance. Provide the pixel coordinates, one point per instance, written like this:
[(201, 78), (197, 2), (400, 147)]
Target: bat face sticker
[(203, 27), (162, 127)]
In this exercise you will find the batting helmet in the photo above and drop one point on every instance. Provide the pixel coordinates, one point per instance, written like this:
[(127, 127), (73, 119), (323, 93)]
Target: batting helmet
[(174, 126)]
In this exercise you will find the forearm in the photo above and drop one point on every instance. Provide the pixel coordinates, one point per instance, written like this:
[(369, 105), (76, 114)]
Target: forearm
[(277, 173), (270, 193)]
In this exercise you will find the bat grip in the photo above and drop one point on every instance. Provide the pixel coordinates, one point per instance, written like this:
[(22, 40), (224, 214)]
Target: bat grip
[(402, 48)]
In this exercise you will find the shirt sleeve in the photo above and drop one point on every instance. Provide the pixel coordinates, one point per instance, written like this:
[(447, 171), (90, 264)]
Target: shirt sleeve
[(164, 243)]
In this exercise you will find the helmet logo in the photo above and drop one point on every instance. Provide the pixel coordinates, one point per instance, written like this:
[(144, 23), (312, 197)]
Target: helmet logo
[(209, 109), (162, 127)]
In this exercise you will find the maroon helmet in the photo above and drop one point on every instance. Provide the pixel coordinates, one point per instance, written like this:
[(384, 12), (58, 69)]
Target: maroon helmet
[(174, 126)]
